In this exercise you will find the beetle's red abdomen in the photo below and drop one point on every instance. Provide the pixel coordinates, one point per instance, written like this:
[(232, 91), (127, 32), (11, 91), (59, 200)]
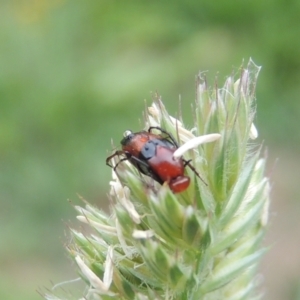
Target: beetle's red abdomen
[(180, 184), (164, 165), (169, 169)]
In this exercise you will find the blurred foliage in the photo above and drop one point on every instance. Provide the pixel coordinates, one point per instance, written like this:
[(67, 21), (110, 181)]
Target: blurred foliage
[(74, 74)]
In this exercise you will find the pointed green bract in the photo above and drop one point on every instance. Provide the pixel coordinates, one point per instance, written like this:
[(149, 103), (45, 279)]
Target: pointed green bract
[(203, 243)]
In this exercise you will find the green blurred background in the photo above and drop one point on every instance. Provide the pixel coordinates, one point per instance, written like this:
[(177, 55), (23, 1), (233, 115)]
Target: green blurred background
[(74, 74)]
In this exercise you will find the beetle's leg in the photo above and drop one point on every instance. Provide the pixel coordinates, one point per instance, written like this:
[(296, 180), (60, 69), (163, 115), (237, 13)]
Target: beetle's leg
[(122, 159), (134, 160), (144, 168), (128, 156), (117, 153), (169, 135), (139, 161), (188, 163)]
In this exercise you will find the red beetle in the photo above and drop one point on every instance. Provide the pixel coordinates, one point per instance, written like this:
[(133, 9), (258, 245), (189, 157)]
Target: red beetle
[(152, 155)]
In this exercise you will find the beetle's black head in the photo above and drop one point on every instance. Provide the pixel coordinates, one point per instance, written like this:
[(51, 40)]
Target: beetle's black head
[(127, 136)]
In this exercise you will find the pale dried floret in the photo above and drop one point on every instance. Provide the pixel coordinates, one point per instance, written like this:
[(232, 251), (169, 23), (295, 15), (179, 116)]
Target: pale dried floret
[(100, 286), (195, 142), (142, 234), (253, 132)]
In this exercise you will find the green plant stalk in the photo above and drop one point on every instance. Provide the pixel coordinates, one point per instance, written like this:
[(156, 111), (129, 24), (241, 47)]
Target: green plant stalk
[(204, 243)]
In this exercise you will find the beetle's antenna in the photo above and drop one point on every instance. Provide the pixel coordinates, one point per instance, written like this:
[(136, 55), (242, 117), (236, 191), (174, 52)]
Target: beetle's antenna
[(188, 163)]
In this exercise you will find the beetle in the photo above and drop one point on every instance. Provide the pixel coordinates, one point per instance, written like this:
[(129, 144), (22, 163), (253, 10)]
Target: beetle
[(152, 155)]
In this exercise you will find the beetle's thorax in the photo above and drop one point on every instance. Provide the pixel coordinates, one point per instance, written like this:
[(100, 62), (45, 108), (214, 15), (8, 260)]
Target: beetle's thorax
[(133, 143)]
